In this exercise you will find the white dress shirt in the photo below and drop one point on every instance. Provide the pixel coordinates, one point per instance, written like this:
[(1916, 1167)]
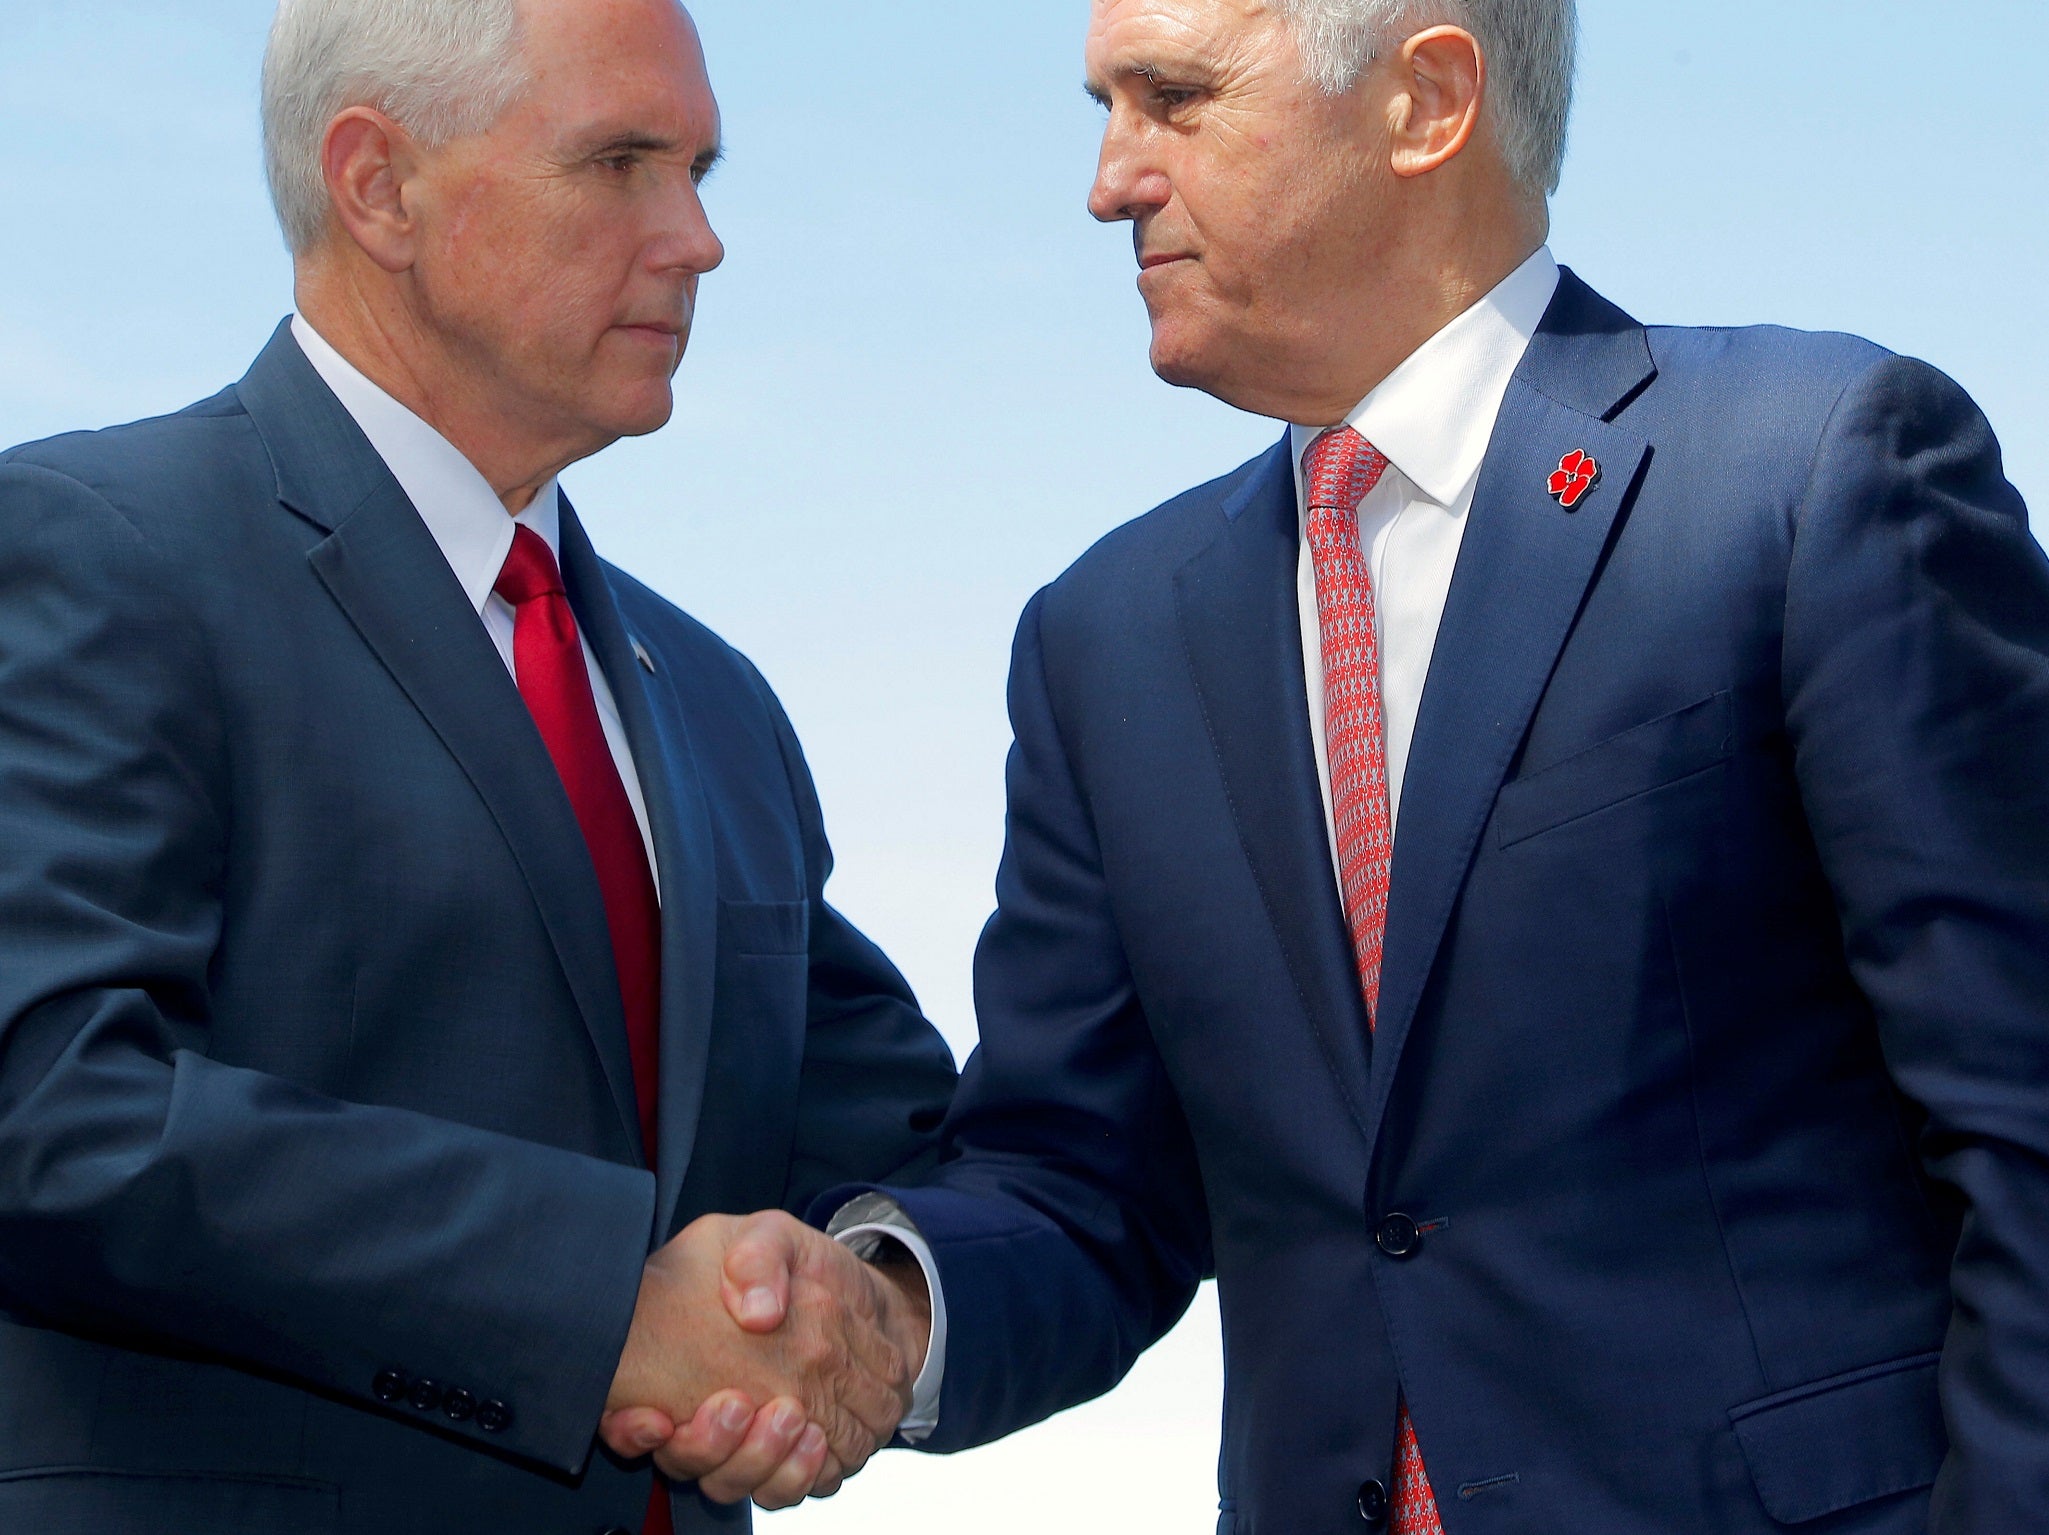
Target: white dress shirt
[(469, 524), (1433, 418)]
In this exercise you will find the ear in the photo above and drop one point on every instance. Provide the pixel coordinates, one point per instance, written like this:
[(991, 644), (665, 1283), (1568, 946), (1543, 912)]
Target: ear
[(1443, 88), (368, 159)]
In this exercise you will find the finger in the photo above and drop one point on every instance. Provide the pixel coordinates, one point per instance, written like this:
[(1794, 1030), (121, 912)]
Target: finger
[(636, 1431), (831, 1479), (710, 1439), (774, 1434), (850, 1441), (792, 1482), (765, 1251), (878, 1361), (852, 1362), (874, 1387), (870, 1301)]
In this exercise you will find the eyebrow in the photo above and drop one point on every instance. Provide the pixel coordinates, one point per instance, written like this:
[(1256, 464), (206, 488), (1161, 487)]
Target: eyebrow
[(1100, 94), (647, 143)]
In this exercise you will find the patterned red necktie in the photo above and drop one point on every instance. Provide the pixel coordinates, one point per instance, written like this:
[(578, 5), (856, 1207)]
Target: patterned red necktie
[(554, 680), (1341, 469)]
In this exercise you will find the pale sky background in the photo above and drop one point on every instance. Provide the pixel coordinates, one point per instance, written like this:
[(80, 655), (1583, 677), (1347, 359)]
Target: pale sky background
[(918, 390)]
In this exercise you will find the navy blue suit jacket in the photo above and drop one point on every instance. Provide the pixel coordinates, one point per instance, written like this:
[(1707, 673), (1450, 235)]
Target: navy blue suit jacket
[(313, 1072), (1712, 1072)]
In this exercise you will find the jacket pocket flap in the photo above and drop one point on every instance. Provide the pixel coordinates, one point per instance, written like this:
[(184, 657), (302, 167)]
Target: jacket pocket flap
[(764, 927), (1647, 757), (1823, 1448)]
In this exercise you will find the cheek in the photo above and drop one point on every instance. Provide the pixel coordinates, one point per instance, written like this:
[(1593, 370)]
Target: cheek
[(532, 271)]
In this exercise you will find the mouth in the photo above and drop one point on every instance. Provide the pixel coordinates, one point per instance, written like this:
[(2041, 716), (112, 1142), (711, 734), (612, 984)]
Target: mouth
[(1154, 262), (667, 332)]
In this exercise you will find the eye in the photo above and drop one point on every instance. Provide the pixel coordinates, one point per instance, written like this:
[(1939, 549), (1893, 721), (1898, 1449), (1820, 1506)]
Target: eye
[(618, 163), (1165, 96)]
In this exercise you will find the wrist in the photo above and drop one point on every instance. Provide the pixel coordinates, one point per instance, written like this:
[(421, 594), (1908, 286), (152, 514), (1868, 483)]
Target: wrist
[(632, 1382), (908, 1316)]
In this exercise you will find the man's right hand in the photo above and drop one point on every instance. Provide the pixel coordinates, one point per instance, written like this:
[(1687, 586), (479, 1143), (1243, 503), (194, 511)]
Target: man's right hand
[(827, 1345)]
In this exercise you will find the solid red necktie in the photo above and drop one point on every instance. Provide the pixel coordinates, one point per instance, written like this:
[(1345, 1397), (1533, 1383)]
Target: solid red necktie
[(1341, 469), (547, 654)]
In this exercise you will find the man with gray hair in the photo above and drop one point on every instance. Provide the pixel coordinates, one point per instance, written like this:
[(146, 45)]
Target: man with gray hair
[(412, 928), (1540, 883)]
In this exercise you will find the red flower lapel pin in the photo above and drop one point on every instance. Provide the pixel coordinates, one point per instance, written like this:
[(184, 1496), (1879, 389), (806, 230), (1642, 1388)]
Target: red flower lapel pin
[(1576, 475)]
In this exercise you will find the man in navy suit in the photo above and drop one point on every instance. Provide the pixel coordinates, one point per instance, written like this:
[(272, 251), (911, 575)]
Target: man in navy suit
[(409, 923), (1540, 883)]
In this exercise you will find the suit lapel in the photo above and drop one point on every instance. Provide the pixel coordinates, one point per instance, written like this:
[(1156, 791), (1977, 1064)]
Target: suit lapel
[(388, 575), (1523, 575), (680, 819), (1240, 626)]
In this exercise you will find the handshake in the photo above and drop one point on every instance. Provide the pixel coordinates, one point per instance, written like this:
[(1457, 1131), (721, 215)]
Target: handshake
[(766, 1361)]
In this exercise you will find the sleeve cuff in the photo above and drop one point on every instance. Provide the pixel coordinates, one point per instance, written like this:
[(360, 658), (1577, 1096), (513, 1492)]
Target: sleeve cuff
[(862, 1226)]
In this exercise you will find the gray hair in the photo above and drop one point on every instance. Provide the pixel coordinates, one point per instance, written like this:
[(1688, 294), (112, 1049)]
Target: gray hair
[(1532, 49), (441, 69)]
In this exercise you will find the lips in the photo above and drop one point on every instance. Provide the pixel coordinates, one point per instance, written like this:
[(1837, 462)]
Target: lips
[(1154, 262)]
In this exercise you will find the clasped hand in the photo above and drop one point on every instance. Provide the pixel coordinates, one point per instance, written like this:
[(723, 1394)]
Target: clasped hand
[(765, 1360)]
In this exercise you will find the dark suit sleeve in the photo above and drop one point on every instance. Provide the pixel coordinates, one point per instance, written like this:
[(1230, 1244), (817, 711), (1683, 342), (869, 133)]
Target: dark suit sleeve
[(877, 1078), (151, 1194), (1072, 1231), (1917, 694)]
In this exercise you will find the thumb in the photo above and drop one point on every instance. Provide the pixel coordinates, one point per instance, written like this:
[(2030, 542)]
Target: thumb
[(758, 1265), (636, 1431)]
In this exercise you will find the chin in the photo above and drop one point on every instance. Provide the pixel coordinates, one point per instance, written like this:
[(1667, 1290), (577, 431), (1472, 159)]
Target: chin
[(642, 411), (1183, 365)]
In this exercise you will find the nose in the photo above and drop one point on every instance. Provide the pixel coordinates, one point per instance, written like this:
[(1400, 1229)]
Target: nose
[(1129, 180), (685, 241)]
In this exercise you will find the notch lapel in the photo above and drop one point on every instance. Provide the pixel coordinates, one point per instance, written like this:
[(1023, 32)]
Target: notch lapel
[(1523, 576), (680, 819), (1242, 632), (389, 577)]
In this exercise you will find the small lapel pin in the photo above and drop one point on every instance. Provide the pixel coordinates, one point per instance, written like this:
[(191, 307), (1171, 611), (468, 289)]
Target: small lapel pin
[(647, 662), (1577, 474)]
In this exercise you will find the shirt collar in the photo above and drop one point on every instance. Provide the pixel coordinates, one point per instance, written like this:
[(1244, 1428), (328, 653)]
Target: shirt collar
[(1434, 416), (458, 505)]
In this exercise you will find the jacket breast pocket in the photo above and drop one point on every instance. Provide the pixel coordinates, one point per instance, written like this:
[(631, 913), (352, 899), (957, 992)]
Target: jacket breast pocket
[(764, 928), (1624, 767), (89, 1499), (1852, 1439)]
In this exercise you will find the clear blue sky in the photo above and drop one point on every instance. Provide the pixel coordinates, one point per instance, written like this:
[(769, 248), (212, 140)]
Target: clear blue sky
[(918, 389)]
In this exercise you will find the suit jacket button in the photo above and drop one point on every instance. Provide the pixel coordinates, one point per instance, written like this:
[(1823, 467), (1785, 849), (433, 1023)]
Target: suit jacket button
[(459, 1405), (494, 1417), (390, 1386), (425, 1395), (1398, 1237), (1373, 1504)]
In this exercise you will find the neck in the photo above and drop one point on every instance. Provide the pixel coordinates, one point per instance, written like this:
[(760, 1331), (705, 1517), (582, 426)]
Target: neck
[(1424, 285), (369, 323)]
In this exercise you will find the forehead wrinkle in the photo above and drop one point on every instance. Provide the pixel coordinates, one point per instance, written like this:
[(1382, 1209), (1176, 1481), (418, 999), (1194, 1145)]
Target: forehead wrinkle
[(1167, 42)]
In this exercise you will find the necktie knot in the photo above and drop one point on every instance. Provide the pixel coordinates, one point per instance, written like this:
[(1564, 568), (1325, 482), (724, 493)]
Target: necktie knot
[(530, 570), (1341, 468)]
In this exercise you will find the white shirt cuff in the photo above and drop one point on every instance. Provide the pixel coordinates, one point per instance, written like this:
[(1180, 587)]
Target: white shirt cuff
[(862, 1226)]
